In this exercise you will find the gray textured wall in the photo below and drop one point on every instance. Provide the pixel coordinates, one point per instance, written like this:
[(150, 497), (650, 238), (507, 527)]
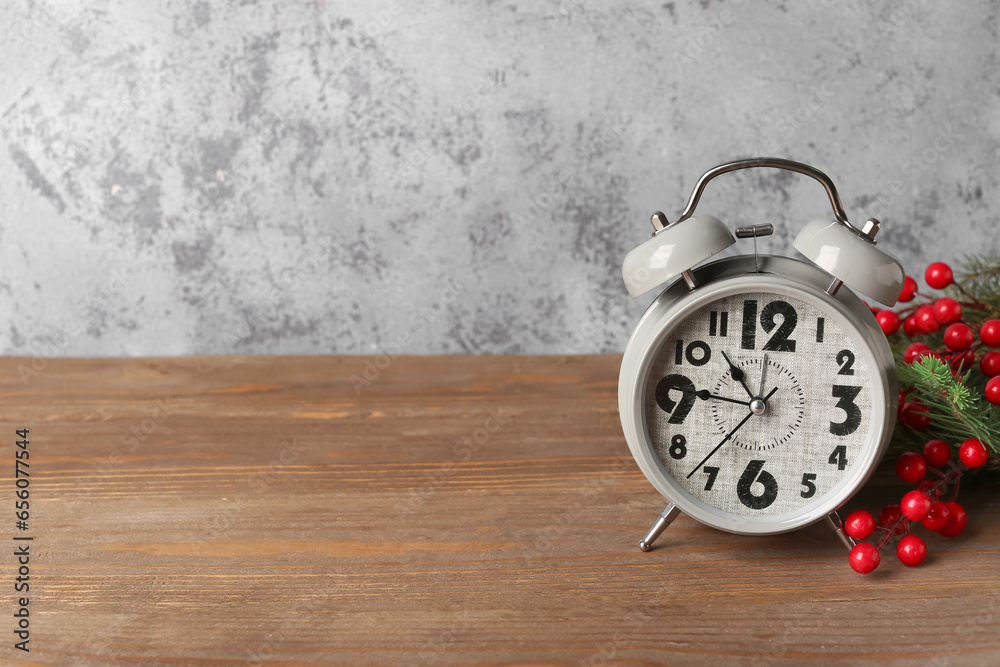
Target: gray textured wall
[(325, 177)]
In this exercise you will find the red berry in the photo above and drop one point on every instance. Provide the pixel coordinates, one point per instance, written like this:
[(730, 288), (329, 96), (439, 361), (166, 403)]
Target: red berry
[(989, 333), (992, 390), (990, 364), (888, 516), (926, 321), (947, 310), (938, 517), (956, 521), (911, 551), (910, 327), (927, 486), (913, 350), (889, 321), (860, 524), (973, 454), (958, 337), (939, 275), (911, 467), (915, 505), (936, 453), (909, 289), (915, 416), (864, 558)]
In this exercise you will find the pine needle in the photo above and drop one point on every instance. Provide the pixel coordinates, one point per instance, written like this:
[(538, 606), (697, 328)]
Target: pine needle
[(955, 411)]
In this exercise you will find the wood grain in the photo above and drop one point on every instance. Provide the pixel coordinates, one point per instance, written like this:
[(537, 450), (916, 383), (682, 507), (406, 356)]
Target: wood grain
[(455, 510)]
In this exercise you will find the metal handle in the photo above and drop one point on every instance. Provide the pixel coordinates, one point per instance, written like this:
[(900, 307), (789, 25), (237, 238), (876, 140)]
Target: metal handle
[(776, 163)]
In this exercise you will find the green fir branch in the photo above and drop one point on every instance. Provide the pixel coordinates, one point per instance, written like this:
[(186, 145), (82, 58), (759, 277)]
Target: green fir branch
[(980, 271), (958, 407), (980, 276), (956, 414)]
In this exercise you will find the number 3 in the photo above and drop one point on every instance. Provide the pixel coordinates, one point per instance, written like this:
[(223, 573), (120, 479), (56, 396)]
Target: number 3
[(846, 395)]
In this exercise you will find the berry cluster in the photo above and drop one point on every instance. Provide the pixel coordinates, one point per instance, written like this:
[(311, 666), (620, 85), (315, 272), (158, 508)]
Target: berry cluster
[(923, 504), (968, 332), (955, 327), (960, 339)]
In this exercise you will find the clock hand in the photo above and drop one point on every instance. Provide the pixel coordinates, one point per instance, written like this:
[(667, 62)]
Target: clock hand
[(718, 446), (704, 395), (728, 436), (737, 374), (763, 372)]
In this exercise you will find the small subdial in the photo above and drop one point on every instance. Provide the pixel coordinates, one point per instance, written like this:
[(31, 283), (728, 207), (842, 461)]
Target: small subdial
[(785, 413)]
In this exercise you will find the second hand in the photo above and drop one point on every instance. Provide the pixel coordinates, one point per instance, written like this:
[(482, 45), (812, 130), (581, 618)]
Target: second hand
[(728, 436)]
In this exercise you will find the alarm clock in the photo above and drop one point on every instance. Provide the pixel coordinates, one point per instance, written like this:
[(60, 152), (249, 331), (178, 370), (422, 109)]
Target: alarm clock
[(756, 393)]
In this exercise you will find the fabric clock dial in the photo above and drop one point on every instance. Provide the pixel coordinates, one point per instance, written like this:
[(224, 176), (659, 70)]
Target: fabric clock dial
[(758, 404)]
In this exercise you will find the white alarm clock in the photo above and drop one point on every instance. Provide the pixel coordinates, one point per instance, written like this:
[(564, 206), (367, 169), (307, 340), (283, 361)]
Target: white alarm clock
[(755, 394)]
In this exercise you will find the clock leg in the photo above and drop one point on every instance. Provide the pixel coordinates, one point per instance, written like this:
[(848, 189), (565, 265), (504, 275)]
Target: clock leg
[(833, 520), (667, 516)]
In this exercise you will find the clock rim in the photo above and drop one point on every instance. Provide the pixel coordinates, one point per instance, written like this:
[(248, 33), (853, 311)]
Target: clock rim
[(736, 275)]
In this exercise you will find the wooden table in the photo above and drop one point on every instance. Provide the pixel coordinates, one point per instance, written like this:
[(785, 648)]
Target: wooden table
[(431, 511)]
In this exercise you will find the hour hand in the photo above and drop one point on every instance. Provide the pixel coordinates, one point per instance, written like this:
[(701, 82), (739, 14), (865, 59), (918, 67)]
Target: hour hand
[(704, 395), (682, 384), (737, 374)]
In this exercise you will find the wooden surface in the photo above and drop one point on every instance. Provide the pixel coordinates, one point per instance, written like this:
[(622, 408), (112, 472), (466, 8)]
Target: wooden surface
[(274, 512)]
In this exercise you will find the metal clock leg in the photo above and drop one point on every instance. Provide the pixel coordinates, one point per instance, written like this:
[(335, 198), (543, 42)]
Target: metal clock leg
[(667, 516), (833, 520)]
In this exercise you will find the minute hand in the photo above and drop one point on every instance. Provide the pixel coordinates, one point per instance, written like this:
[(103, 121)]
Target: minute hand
[(704, 395), (728, 436)]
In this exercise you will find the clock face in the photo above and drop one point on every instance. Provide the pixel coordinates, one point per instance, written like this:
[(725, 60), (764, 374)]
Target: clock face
[(759, 404)]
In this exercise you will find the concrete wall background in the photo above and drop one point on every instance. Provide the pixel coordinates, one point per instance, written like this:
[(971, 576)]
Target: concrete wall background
[(325, 177)]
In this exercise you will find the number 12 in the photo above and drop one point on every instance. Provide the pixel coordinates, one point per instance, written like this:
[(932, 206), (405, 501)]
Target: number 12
[(780, 341)]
